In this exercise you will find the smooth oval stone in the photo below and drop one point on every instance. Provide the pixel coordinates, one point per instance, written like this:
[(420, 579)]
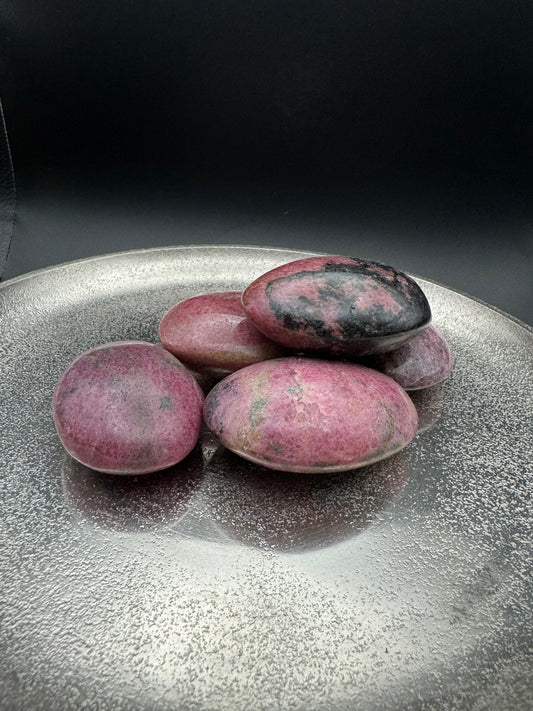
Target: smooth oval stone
[(310, 415), (420, 362), (211, 333), (128, 408), (340, 306)]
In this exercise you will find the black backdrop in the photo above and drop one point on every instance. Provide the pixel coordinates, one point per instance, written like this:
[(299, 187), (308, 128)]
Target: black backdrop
[(398, 131)]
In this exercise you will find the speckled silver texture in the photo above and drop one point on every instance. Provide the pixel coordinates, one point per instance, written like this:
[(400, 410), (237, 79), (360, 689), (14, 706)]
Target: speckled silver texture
[(403, 586)]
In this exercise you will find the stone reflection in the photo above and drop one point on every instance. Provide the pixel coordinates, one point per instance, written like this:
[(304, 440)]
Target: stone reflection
[(132, 503), (429, 404), (295, 512)]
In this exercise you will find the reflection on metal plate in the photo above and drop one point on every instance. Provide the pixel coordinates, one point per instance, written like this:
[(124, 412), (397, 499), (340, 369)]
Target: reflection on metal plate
[(220, 586)]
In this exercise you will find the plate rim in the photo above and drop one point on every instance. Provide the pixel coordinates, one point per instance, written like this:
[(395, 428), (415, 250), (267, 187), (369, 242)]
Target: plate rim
[(259, 248)]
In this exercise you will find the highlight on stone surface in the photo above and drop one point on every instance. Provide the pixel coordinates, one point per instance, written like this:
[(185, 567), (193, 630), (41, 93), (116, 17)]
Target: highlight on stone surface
[(310, 415), (420, 362), (128, 407), (211, 333), (339, 306)]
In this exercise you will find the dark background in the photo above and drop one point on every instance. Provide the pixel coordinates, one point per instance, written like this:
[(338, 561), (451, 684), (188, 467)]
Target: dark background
[(395, 131)]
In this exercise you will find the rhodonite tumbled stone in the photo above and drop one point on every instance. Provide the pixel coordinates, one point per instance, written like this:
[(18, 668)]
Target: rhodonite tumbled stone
[(128, 407), (310, 415), (340, 306), (420, 362), (212, 334)]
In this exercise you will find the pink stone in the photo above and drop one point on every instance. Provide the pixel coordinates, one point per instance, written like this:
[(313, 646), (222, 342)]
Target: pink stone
[(420, 362), (310, 415), (128, 408), (211, 333)]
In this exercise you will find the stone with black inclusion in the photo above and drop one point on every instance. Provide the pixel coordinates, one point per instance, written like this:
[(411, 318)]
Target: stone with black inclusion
[(338, 306)]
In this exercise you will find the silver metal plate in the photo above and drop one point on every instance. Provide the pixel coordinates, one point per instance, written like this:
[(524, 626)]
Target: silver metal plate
[(218, 585)]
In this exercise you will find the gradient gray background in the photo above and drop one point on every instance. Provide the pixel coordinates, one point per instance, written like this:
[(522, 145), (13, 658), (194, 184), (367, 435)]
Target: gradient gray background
[(401, 132)]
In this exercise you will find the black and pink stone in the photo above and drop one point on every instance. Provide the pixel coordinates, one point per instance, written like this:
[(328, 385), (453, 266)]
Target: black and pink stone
[(335, 305)]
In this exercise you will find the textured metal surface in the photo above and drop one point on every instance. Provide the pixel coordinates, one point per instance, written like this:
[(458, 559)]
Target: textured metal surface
[(406, 585)]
